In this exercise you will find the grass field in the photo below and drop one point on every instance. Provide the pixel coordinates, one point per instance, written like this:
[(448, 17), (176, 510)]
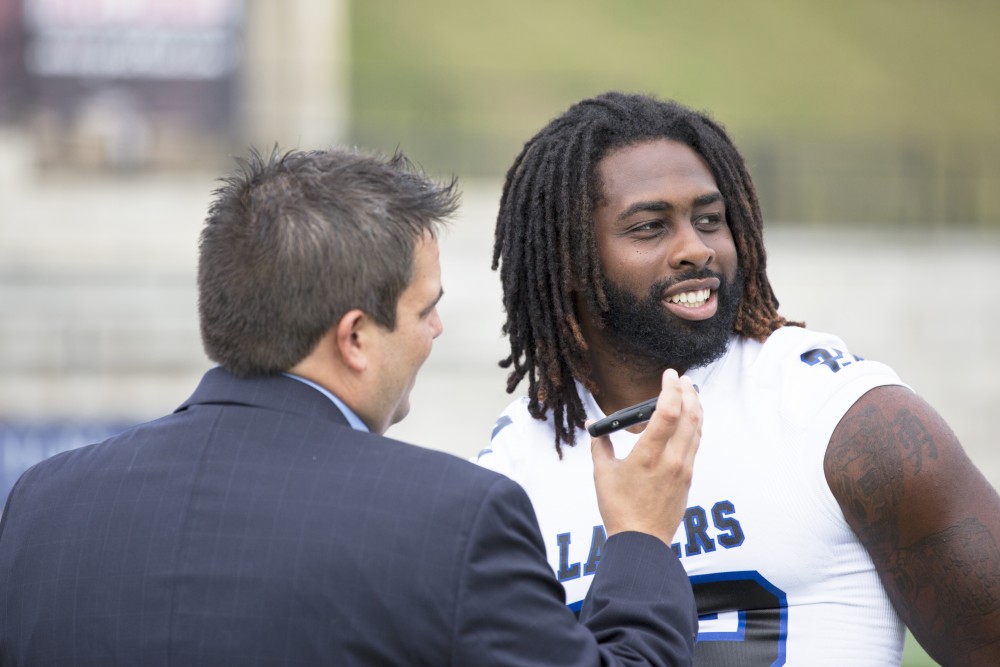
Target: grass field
[(492, 72), (914, 656)]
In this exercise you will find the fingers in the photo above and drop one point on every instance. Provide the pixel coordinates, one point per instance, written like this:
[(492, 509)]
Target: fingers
[(647, 490), (670, 402), (677, 417), (602, 451), (688, 428)]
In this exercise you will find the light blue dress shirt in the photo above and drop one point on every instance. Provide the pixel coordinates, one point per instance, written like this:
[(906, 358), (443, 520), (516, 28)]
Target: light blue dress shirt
[(352, 418)]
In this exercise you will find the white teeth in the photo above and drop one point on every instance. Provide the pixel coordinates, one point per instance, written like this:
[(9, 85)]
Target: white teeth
[(691, 299)]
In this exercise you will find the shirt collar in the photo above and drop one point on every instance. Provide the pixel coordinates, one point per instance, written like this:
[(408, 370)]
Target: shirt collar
[(352, 417)]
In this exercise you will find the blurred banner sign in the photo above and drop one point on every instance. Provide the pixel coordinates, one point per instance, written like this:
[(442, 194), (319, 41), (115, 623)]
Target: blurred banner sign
[(11, 69), (138, 39), (126, 82)]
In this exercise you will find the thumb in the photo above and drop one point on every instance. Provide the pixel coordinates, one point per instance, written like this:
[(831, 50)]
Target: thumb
[(602, 450)]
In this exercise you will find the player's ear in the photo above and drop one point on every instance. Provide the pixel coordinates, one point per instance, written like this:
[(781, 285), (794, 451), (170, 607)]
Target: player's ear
[(352, 335)]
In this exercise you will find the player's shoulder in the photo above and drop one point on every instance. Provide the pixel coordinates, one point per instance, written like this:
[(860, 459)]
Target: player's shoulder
[(790, 342), (516, 419), (795, 350), (806, 366), (783, 359), (517, 438)]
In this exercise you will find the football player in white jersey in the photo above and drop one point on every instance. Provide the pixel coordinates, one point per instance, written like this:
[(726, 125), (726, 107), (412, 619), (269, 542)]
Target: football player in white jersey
[(830, 505)]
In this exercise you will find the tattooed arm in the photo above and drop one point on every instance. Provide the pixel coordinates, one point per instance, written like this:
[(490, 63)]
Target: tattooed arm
[(928, 518)]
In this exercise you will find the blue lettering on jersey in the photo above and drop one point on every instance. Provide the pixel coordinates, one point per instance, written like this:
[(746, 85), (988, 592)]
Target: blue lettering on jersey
[(732, 535), (566, 571), (500, 425), (831, 358), (703, 531), (597, 539), (696, 528)]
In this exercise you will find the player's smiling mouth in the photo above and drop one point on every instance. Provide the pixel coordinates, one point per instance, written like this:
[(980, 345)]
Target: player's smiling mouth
[(691, 299)]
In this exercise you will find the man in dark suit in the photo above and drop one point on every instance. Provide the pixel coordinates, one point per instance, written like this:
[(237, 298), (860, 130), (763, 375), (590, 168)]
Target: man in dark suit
[(268, 522)]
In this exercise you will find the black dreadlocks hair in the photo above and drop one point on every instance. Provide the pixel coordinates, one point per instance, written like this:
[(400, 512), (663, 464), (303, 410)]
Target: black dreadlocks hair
[(546, 250)]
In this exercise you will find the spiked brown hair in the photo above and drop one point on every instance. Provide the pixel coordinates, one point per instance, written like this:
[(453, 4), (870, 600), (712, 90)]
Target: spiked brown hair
[(546, 250), (295, 240)]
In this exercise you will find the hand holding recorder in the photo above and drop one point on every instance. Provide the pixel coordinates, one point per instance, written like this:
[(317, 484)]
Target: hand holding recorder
[(647, 490)]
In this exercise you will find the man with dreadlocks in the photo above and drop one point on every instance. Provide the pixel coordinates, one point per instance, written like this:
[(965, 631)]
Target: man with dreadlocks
[(830, 504)]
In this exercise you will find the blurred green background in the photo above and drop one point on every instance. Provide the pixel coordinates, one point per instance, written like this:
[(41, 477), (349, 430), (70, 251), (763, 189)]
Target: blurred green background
[(853, 111)]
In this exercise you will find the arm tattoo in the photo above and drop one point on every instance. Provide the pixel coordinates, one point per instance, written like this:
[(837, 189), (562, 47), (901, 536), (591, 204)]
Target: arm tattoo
[(946, 584), (963, 558), (868, 476), (957, 569), (870, 466), (909, 432)]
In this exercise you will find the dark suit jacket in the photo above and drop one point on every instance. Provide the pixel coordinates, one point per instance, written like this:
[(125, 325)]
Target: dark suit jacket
[(254, 527)]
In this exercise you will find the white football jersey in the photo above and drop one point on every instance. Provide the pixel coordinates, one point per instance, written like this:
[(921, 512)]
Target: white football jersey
[(779, 576)]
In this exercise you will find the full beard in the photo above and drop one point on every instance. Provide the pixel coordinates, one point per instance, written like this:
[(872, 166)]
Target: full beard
[(645, 332)]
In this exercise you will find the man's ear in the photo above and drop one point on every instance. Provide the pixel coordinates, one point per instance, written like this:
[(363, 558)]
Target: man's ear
[(351, 339)]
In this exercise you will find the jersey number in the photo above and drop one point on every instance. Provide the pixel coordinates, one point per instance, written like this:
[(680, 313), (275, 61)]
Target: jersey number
[(744, 620), (829, 357)]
